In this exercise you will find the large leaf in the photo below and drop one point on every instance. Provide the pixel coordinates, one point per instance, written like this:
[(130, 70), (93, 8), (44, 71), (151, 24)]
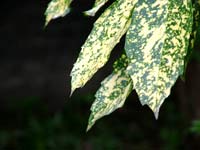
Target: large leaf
[(97, 5), (156, 43), (57, 8), (106, 33), (112, 93)]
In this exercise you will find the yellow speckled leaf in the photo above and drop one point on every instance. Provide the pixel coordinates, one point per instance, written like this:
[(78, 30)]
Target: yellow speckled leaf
[(113, 92), (156, 43), (106, 33), (57, 8), (97, 5)]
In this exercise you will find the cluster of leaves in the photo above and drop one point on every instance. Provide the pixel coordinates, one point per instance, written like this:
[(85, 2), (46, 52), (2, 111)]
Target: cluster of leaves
[(156, 49)]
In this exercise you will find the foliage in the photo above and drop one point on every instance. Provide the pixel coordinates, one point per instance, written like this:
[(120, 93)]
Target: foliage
[(156, 49), (57, 8)]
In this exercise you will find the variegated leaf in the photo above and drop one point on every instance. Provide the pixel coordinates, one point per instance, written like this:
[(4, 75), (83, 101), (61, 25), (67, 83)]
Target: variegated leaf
[(194, 35), (106, 33), (113, 92), (57, 8), (97, 5), (156, 43)]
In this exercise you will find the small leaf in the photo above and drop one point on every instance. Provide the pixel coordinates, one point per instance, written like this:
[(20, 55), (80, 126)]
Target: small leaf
[(97, 5), (106, 33), (156, 45), (57, 8), (113, 92)]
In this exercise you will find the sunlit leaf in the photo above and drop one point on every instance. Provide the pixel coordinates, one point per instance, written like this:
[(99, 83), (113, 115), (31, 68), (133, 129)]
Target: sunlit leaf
[(57, 8), (113, 92), (156, 45), (106, 33), (97, 5)]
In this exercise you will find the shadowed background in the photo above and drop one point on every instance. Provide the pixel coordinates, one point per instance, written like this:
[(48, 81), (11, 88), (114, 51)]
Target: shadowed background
[(36, 111)]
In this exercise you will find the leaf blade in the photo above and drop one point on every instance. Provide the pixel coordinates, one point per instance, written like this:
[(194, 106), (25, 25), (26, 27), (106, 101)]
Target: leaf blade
[(105, 34), (57, 8), (155, 66), (113, 92)]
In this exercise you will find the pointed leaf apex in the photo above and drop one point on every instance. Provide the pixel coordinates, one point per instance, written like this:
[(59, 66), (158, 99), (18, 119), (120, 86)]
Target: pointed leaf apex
[(57, 8), (71, 93), (88, 128), (73, 88), (46, 22), (91, 122), (156, 113)]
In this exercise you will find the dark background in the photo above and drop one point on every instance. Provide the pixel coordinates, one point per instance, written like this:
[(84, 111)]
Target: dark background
[(36, 111)]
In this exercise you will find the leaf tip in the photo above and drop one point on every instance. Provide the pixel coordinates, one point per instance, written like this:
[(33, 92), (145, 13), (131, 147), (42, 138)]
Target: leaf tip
[(91, 122), (72, 91), (156, 113), (88, 128), (46, 23)]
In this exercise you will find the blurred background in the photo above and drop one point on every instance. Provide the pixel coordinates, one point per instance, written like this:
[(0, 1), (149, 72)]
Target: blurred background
[(36, 112)]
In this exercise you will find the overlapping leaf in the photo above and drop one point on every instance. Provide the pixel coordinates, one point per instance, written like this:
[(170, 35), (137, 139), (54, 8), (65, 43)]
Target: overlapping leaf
[(112, 93), (97, 5), (106, 33), (57, 8), (156, 43)]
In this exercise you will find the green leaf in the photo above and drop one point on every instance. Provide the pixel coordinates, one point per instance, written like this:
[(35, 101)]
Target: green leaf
[(156, 44), (195, 35), (97, 5), (57, 8), (106, 33), (113, 92)]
